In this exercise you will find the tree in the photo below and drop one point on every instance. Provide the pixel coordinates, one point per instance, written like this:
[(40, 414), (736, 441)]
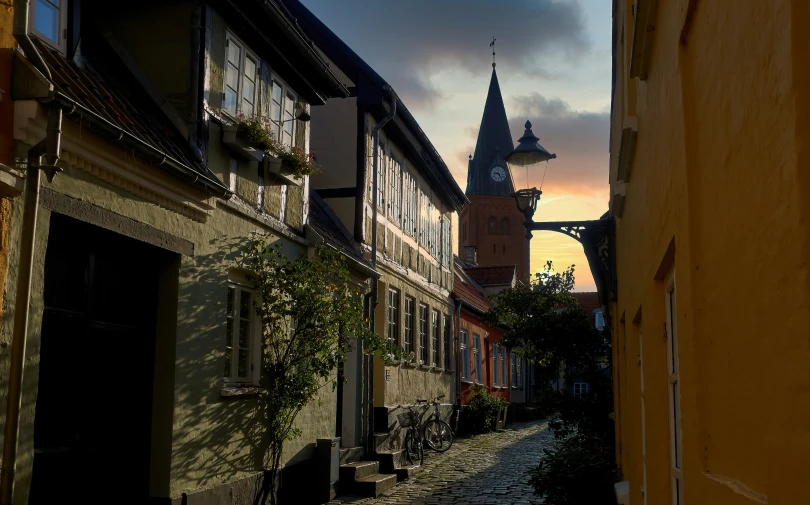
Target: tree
[(544, 322), (310, 314)]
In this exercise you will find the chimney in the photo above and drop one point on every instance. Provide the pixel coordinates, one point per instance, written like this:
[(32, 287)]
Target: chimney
[(470, 255)]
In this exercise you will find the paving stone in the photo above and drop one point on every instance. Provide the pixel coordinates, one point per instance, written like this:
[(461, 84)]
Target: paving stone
[(489, 469)]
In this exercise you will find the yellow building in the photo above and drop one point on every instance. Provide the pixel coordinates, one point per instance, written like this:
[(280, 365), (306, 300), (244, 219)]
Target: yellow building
[(710, 189)]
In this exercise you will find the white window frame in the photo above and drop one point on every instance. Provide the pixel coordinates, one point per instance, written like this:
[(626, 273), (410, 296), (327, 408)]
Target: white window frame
[(519, 371), (447, 247), (465, 355), (513, 364), (244, 54), (240, 284), (479, 377), (674, 387), (435, 330), (410, 223), (61, 44), (394, 189), (393, 315), (382, 176), (424, 334), (448, 344), (599, 319), (287, 95), (495, 356), (503, 366), (581, 388), (410, 323)]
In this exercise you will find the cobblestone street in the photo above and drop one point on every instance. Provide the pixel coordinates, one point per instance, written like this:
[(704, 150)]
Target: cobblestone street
[(488, 468)]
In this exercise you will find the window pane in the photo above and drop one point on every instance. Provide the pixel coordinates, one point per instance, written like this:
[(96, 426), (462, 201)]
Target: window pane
[(47, 20), (247, 108), (244, 305), (435, 341), (244, 357), (250, 69), (234, 53), (248, 90), (244, 334)]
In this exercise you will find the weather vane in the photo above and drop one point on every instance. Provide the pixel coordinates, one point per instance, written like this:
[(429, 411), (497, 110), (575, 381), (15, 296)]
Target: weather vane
[(492, 45)]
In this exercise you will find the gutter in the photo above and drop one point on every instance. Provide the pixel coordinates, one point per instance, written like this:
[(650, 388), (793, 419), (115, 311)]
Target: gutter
[(48, 150), (306, 48), (155, 156)]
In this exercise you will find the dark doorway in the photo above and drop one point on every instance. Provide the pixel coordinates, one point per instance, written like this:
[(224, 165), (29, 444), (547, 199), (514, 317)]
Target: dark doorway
[(92, 431)]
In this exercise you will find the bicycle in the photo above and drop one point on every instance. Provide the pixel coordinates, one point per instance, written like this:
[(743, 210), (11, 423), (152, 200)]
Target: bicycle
[(435, 433)]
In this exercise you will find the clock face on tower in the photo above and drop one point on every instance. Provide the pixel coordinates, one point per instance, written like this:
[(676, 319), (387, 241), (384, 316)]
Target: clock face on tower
[(498, 174)]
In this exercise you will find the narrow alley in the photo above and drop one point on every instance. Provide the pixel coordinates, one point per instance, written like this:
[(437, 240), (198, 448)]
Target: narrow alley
[(490, 468)]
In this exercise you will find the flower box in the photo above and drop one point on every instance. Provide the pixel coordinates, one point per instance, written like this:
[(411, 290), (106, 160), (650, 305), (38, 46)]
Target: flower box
[(280, 171), (239, 145)]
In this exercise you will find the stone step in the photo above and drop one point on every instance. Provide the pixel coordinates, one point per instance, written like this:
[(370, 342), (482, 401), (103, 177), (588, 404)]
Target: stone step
[(407, 472), (358, 469), (381, 440), (375, 485), (351, 454), (390, 460)]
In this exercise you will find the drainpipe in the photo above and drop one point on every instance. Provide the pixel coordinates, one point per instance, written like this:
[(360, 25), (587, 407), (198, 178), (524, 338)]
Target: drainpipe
[(47, 150), (21, 35), (375, 283), (194, 85)]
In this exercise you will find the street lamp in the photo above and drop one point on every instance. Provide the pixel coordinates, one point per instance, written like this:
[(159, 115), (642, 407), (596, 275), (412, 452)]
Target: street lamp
[(529, 151), (526, 200)]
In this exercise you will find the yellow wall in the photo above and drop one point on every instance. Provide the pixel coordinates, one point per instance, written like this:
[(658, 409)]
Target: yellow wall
[(721, 173)]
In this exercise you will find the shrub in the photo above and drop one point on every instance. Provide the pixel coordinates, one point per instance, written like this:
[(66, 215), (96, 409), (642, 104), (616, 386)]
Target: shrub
[(572, 473), (484, 410)]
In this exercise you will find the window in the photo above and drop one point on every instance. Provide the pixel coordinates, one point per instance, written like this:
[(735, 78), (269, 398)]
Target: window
[(410, 323), (580, 388), (409, 224), (599, 319), (393, 315), (493, 226), (448, 346), (423, 334), (241, 70), (241, 331), (394, 190), (514, 370), (434, 354), (503, 366), (381, 168), (504, 226), (477, 357), (465, 355), (282, 111), (673, 365), (495, 356), (424, 219), (531, 375), (49, 21), (447, 248), (519, 371)]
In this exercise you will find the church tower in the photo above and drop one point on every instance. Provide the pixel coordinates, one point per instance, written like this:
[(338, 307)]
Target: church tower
[(491, 222)]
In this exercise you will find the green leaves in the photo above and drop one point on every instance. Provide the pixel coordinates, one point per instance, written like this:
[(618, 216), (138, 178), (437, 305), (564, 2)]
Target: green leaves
[(483, 411), (310, 315)]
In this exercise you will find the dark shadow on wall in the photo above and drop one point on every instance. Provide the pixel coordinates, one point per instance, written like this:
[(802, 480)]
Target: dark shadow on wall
[(220, 442)]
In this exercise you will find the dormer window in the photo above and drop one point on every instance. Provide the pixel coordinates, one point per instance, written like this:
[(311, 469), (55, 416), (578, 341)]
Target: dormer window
[(49, 21)]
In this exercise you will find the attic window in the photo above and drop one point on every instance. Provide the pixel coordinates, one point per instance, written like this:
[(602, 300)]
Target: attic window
[(49, 21)]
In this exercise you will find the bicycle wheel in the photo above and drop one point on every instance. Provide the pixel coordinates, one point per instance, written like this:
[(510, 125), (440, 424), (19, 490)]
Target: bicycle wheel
[(413, 447), (438, 435)]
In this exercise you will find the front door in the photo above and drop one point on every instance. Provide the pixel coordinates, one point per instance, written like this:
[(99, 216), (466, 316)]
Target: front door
[(94, 403)]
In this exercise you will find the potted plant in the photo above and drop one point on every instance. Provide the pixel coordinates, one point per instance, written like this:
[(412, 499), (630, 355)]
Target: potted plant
[(255, 139)]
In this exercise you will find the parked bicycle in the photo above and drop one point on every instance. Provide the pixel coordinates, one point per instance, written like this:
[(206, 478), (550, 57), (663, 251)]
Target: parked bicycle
[(435, 433)]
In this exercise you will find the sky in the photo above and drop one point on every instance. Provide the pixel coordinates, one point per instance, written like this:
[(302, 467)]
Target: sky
[(553, 62)]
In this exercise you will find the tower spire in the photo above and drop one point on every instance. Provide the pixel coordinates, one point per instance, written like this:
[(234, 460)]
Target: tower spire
[(488, 173), (492, 45)]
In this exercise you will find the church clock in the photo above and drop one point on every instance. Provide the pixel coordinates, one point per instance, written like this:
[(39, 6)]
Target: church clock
[(498, 174)]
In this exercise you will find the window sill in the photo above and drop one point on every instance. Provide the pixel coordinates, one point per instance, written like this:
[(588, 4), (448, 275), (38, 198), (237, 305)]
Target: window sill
[(422, 366), (449, 370), (232, 390), (408, 364), (436, 369)]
